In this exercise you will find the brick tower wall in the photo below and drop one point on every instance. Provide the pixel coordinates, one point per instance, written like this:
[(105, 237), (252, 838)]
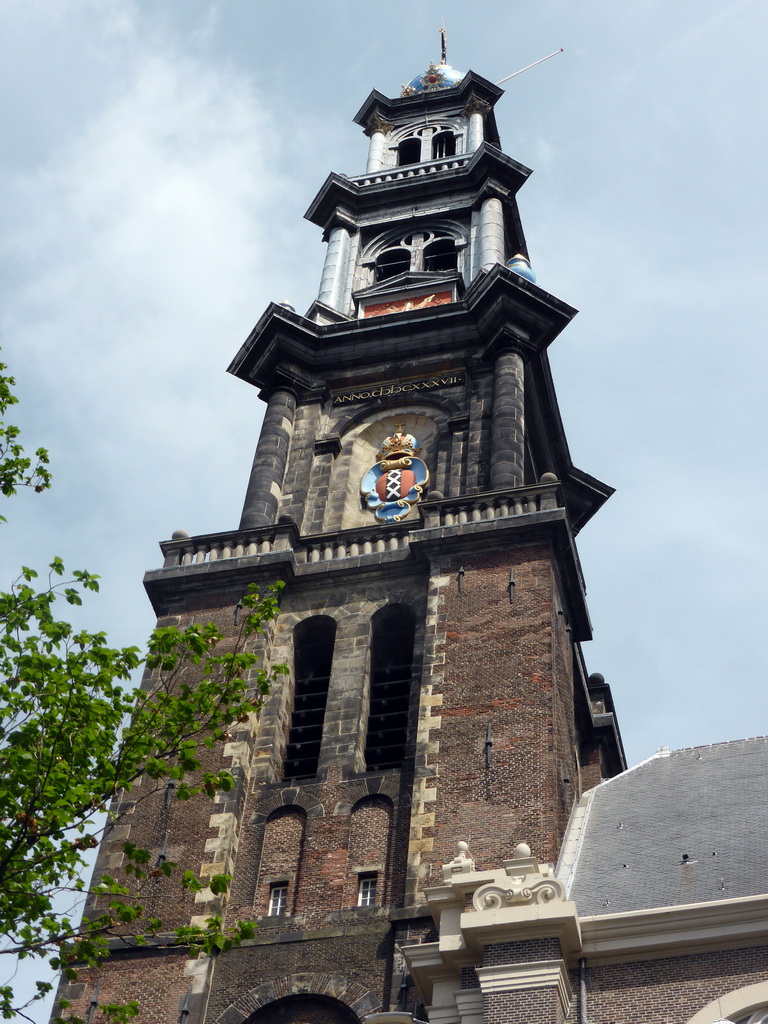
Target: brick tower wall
[(507, 664)]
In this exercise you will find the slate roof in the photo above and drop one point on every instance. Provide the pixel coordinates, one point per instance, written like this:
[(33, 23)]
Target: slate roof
[(709, 803)]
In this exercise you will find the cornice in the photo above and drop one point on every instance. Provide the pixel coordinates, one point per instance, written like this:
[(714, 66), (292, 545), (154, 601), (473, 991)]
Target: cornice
[(404, 107), (488, 171), (675, 931)]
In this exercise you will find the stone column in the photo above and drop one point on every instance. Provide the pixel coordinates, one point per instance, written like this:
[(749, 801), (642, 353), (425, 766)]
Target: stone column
[(377, 130), (490, 233), (476, 110), (507, 423), (269, 462), (335, 268)]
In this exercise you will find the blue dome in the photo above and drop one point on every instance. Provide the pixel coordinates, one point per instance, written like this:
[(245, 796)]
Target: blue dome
[(522, 267), (437, 76)]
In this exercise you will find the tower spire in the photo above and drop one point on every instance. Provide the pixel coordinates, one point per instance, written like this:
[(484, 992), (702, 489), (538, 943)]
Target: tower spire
[(443, 44)]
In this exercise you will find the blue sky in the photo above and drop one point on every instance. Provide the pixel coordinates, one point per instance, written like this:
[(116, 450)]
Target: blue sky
[(157, 159)]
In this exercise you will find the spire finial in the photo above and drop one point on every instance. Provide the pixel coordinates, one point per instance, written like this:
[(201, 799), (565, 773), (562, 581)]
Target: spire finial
[(443, 44)]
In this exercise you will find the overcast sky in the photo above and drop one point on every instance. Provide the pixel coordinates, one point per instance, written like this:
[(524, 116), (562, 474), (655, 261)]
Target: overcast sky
[(157, 159)]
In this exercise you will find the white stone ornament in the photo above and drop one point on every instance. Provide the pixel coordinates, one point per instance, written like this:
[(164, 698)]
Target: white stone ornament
[(527, 882)]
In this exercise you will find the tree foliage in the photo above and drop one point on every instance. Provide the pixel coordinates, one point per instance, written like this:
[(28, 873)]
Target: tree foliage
[(75, 734)]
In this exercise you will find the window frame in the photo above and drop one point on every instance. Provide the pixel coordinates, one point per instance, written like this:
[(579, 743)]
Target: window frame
[(278, 900), (367, 889)]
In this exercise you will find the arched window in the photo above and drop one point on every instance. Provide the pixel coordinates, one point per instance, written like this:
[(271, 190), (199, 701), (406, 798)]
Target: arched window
[(440, 255), (369, 832), (280, 859), (757, 1017), (443, 144), (392, 640), (409, 152), (425, 250), (313, 641), (392, 262)]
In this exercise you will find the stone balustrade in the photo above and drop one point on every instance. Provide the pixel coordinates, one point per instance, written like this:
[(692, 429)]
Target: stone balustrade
[(516, 501), (436, 513), (450, 163)]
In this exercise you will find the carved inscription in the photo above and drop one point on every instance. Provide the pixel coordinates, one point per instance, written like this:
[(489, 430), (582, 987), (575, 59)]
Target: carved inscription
[(387, 390)]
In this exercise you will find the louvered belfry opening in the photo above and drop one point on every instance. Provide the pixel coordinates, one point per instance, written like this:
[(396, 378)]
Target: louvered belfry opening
[(391, 674), (313, 641)]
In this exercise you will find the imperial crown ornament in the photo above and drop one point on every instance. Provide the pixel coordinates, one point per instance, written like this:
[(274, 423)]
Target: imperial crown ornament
[(394, 485)]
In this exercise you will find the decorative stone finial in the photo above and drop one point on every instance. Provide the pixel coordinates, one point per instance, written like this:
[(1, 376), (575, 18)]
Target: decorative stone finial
[(179, 535), (461, 864), (522, 850)]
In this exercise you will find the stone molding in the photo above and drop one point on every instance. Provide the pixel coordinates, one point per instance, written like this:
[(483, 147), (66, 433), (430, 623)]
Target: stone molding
[(675, 931), (739, 1002), (521, 977), (392, 1017), (290, 796), (470, 1005), (352, 994)]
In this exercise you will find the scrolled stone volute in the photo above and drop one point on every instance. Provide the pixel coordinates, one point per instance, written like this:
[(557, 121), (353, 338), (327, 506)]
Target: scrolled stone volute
[(526, 882)]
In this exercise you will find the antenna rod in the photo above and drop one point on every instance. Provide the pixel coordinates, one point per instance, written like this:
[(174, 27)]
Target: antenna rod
[(529, 66), (443, 44)]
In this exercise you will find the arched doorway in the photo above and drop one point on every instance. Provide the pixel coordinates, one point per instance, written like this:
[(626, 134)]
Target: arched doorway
[(305, 1009)]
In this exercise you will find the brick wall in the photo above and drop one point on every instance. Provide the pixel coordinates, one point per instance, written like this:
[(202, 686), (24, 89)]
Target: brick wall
[(668, 990), (507, 665), (157, 979), (369, 841), (283, 846), (497, 953), (533, 1006)]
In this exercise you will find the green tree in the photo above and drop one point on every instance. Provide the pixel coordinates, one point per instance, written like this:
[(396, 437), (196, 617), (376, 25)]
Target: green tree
[(74, 733)]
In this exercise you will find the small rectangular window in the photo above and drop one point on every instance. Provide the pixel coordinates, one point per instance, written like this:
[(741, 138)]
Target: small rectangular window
[(278, 899), (366, 891)]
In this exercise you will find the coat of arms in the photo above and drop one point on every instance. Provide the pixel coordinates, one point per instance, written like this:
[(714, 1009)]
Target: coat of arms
[(396, 482)]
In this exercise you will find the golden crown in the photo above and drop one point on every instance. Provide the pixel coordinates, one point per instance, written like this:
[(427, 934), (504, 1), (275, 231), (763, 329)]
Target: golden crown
[(398, 443)]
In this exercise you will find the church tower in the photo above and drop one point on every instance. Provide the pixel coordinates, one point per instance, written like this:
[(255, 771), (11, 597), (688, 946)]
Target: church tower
[(413, 488)]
